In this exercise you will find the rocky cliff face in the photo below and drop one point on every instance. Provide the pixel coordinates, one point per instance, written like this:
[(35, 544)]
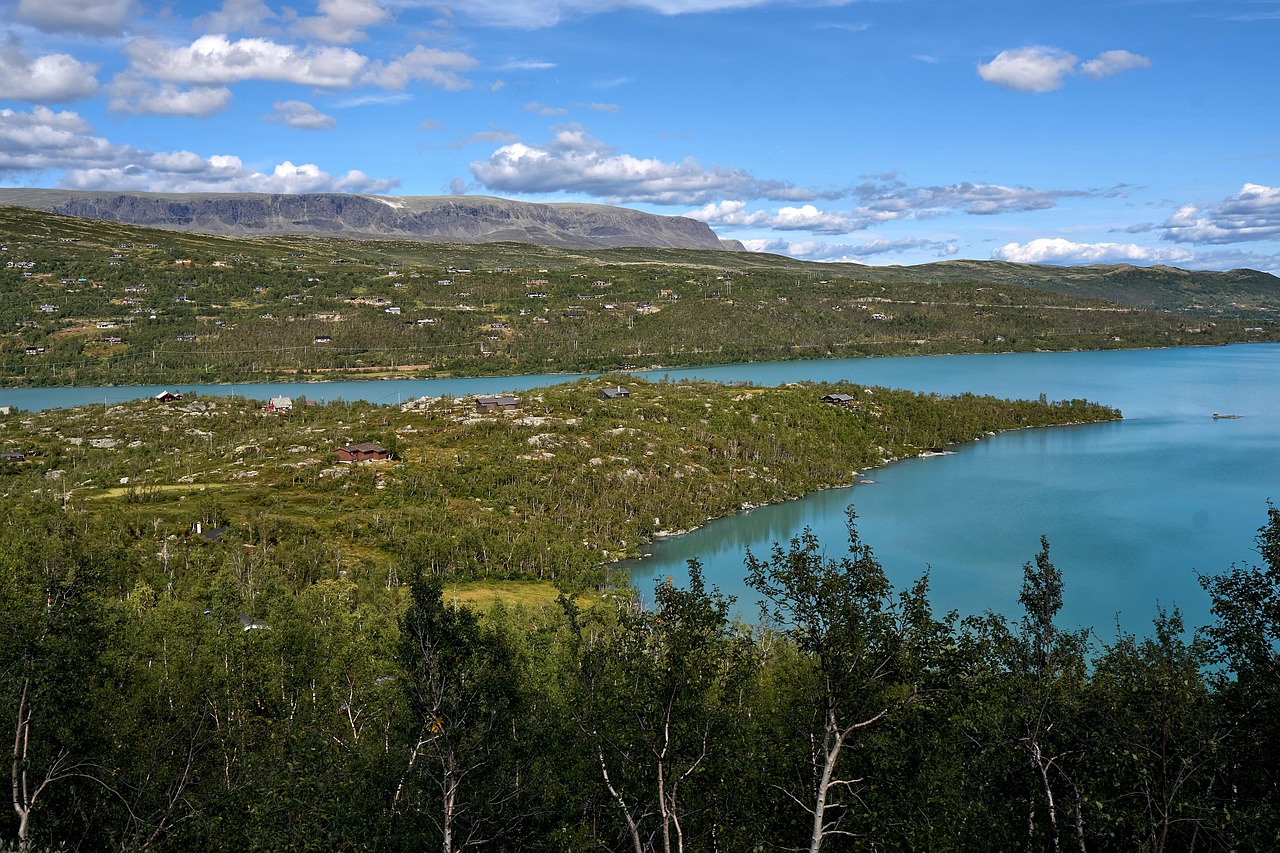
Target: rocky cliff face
[(453, 219)]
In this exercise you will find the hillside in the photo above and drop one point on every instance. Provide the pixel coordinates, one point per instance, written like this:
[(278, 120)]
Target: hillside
[(86, 301)]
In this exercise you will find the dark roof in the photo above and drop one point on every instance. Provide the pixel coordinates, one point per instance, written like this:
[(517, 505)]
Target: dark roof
[(610, 393), (364, 447)]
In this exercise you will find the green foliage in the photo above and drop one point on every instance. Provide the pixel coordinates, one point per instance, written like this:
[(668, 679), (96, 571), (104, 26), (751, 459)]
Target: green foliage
[(128, 304)]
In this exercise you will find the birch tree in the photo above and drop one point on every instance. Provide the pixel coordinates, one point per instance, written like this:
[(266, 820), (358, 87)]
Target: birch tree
[(841, 614)]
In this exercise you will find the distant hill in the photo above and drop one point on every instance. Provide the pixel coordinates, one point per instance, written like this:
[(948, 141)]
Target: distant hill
[(437, 219)]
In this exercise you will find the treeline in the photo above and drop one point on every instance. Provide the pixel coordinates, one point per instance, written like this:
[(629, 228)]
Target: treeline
[(853, 716)]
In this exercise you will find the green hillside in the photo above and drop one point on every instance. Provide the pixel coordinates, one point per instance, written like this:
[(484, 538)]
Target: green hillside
[(86, 301)]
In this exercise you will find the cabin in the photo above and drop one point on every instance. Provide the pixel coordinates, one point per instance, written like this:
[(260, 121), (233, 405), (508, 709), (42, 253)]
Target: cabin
[(13, 457), (615, 393), (168, 397), (838, 399), (365, 451), (279, 404), (497, 404)]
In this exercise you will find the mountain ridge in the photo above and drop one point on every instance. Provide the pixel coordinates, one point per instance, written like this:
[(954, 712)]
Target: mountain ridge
[(451, 219)]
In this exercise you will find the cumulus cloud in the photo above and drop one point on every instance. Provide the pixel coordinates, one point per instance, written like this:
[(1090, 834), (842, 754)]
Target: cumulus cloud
[(54, 78), (1251, 214), (132, 96), (803, 218), (1113, 62), (1056, 250), (86, 17), (42, 141), (215, 60), (341, 21), (1028, 69), (301, 115), (574, 162), (1044, 69)]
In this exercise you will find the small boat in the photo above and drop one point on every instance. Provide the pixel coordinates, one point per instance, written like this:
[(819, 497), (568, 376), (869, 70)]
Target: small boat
[(1218, 417)]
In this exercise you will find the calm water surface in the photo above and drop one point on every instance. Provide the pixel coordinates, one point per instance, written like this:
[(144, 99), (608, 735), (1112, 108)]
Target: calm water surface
[(1132, 510)]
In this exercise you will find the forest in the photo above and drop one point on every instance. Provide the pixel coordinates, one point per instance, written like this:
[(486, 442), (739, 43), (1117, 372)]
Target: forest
[(849, 716), (215, 636)]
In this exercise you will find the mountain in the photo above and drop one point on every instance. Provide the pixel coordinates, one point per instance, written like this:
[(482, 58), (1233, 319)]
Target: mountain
[(435, 219)]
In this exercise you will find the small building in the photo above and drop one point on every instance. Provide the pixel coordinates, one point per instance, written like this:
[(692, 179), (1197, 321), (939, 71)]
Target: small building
[(168, 397), (280, 404), (497, 404), (323, 339), (13, 457), (838, 399), (615, 393), (365, 451)]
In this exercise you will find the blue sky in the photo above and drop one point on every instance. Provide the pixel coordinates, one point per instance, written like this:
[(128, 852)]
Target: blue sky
[(890, 132)]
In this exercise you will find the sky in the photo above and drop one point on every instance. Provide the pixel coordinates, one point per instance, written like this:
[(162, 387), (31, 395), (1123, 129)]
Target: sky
[(874, 131)]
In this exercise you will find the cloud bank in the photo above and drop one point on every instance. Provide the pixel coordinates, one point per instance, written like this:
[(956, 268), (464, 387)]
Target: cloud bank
[(43, 141)]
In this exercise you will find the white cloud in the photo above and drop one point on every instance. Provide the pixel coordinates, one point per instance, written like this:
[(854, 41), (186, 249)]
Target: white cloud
[(1028, 69), (214, 60), (817, 250), (54, 78), (438, 67), (804, 218), (1045, 69), (574, 162), (88, 17), (1113, 62), (42, 141), (132, 96), (301, 115), (1055, 250), (341, 21), (1252, 214)]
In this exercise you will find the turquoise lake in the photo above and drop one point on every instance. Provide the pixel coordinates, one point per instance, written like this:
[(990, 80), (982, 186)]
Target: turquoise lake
[(1132, 510)]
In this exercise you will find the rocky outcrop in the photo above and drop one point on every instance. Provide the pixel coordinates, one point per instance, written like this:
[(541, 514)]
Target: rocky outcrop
[(452, 219)]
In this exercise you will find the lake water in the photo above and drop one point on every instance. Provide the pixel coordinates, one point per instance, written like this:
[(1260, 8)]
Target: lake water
[(1132, 509)]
